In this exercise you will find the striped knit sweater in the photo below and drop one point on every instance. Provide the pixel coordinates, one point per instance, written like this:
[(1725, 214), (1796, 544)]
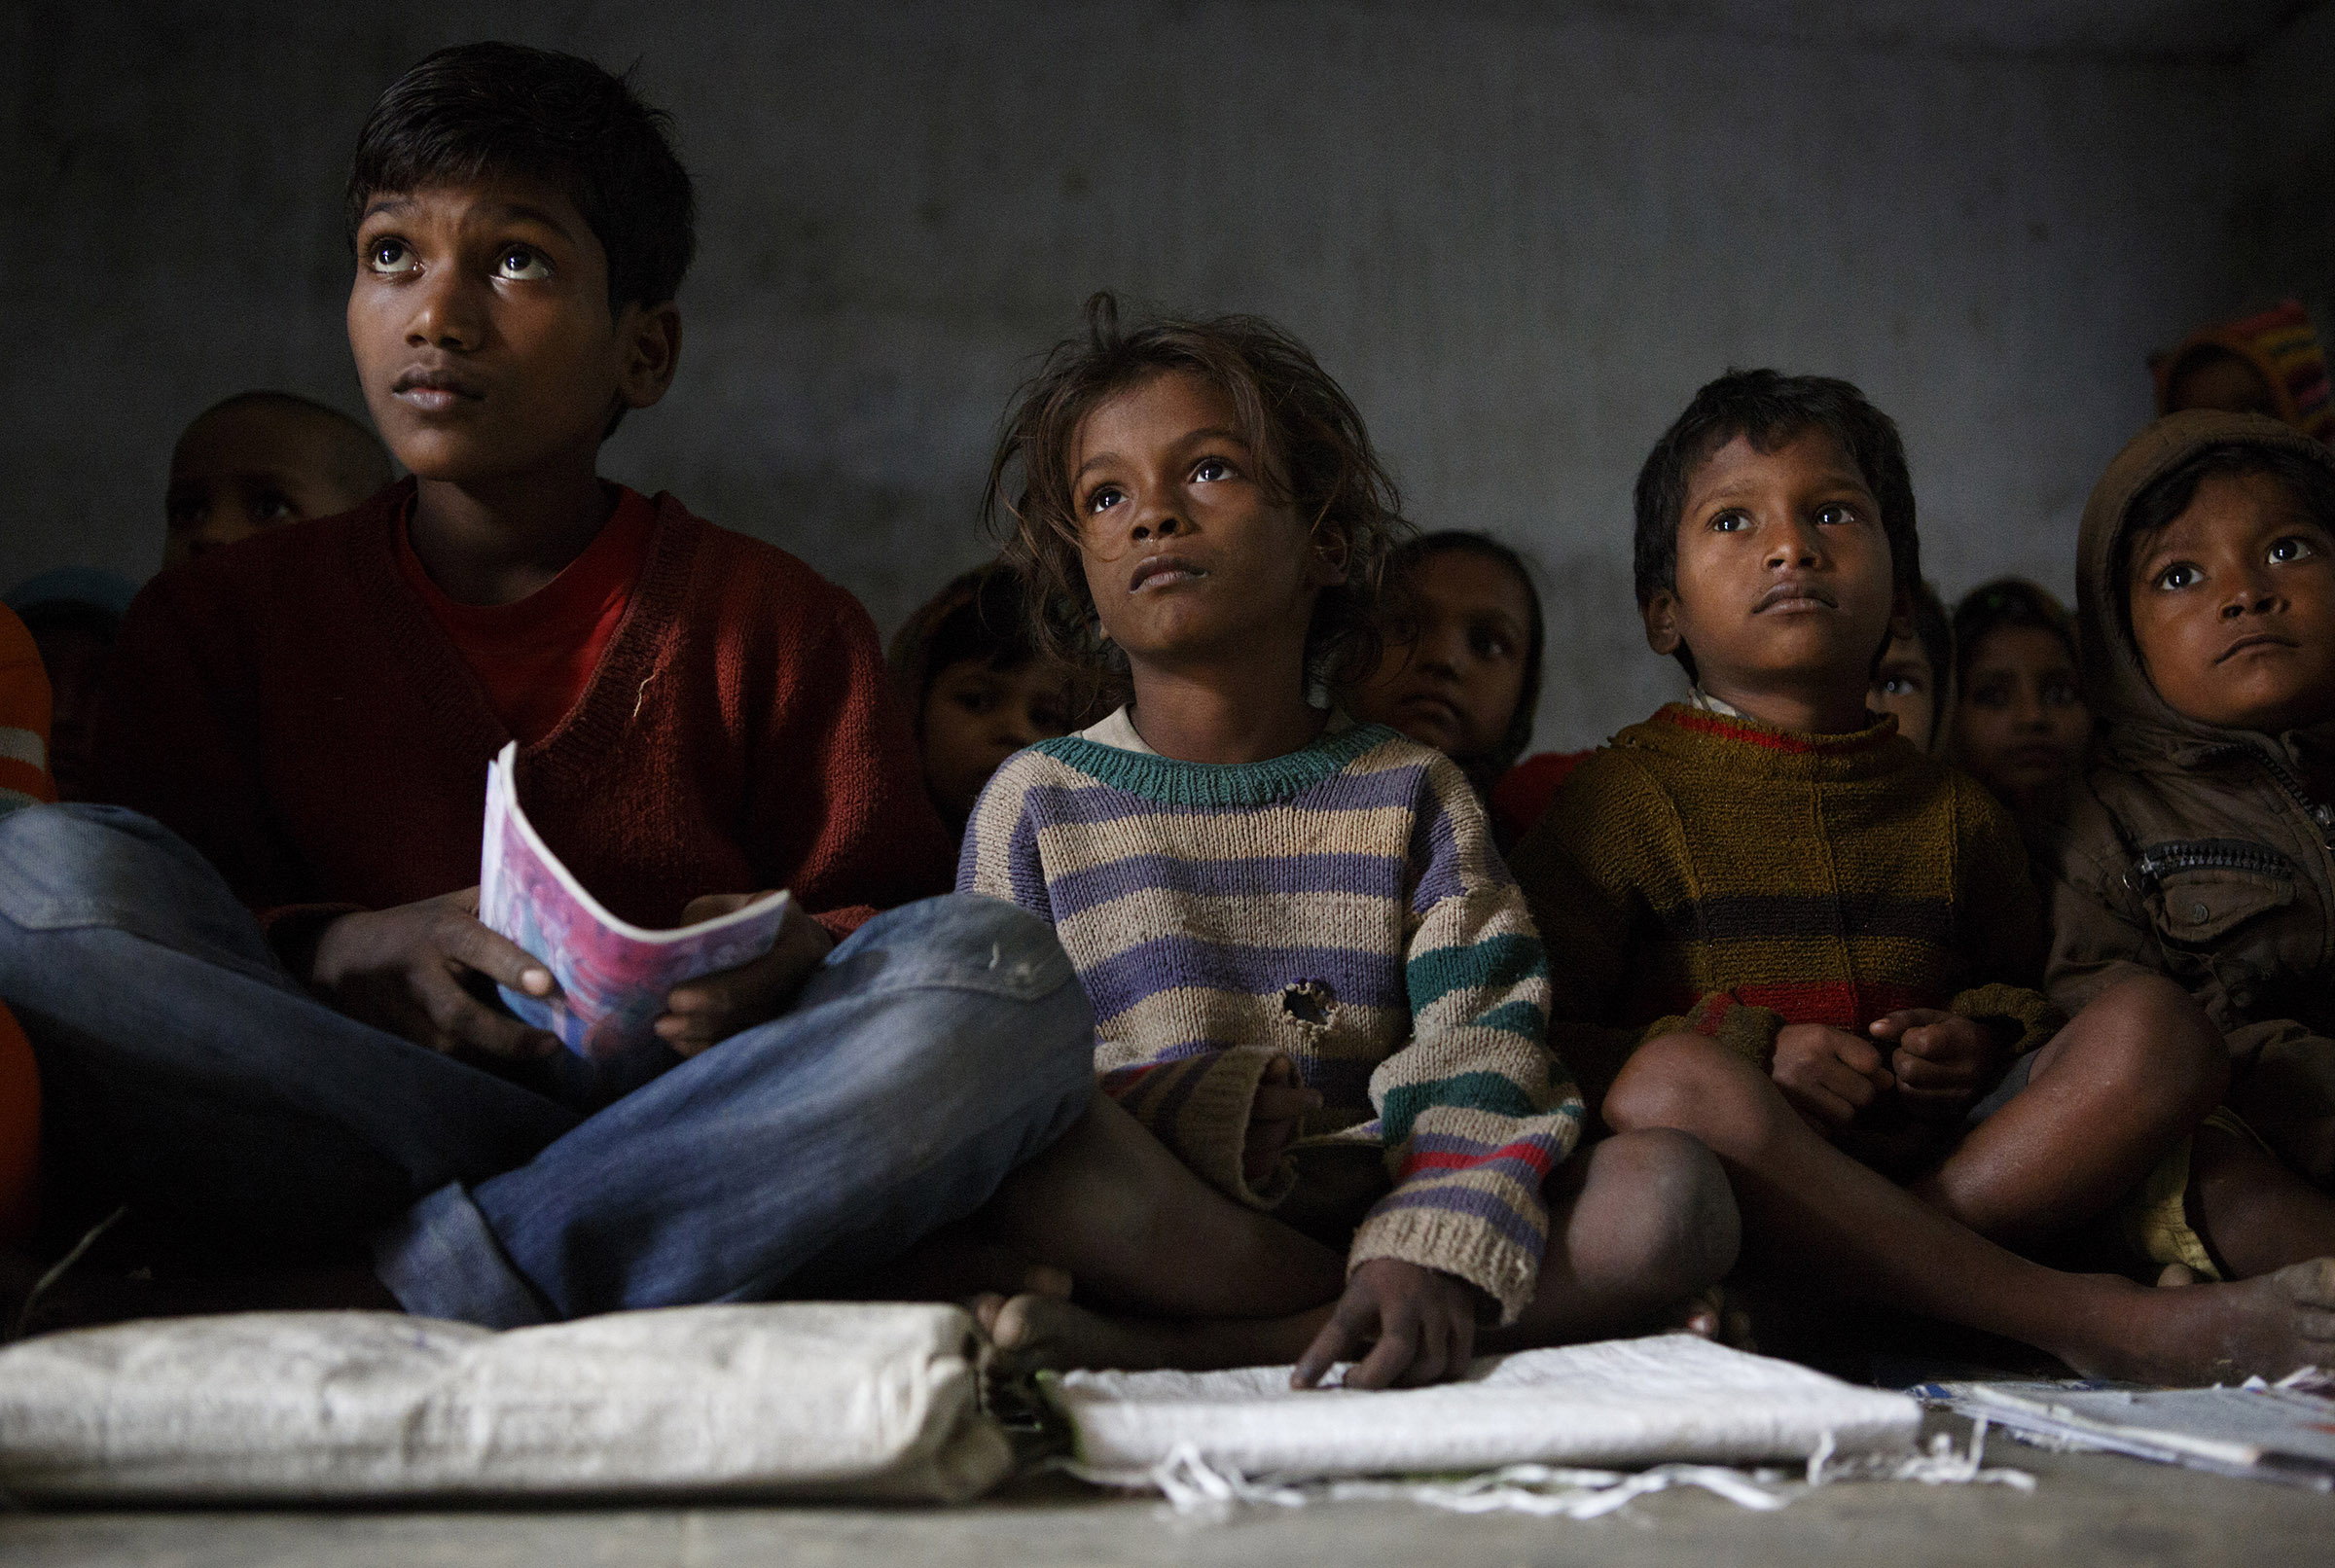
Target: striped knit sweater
[(1341, 906), (1709, 872)]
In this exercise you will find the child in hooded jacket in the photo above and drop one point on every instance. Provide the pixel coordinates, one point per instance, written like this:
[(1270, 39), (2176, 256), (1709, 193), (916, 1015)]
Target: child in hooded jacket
[(2199, 844)]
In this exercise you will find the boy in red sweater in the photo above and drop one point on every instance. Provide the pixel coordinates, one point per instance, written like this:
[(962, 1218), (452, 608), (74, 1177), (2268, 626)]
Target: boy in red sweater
[(258, 986)]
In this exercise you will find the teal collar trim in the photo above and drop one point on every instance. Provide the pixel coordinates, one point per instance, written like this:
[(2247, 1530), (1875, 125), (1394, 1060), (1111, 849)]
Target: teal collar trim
[(1218, 785)]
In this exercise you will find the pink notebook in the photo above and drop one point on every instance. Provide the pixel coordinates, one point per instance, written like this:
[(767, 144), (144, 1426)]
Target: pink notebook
[(612, 975)]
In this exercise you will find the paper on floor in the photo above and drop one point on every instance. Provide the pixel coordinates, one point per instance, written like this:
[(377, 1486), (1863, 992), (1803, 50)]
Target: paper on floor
[(2282, 1432), (795, 1399), (1622, 1404)]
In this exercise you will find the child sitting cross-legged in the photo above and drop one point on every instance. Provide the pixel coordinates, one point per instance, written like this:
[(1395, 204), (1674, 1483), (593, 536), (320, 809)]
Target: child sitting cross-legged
[(263, 999), (1792, 934), (2198, 845), (1313, 978)]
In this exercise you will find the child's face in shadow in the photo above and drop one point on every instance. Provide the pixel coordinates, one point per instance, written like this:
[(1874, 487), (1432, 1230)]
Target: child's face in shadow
[(976, 716), (2020, 723), (240, 470), (1905, 686), (1191, 556), (483, 336), (2233, 607), (1456, 686), (74, 656), (1784, 583), (2218, 378)]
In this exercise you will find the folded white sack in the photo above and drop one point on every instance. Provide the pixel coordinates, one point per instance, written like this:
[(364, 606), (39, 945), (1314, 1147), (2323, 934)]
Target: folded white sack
[(795, 1399), (1621, 1404)]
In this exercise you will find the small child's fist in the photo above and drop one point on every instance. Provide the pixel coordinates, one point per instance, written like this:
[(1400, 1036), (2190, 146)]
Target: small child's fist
[(1828, 1074)]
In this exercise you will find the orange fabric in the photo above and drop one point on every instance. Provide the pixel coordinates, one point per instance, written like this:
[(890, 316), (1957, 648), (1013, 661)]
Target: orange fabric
[(23, 715), (20, 1133)]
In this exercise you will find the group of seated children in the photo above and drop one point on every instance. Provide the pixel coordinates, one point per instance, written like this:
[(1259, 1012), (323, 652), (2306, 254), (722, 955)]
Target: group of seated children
[(1238, 1039)]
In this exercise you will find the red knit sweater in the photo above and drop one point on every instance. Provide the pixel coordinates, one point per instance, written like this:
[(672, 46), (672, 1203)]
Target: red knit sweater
[(291, 709)]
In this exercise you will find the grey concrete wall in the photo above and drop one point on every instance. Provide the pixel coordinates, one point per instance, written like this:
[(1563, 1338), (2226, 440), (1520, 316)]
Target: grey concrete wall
[(1522, 235), (2285, 228)]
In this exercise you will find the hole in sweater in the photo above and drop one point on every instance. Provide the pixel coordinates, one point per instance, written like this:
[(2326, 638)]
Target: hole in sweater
[(1308, 1002)]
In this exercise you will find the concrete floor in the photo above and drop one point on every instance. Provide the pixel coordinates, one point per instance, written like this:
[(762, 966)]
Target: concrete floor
[(2087, 1510)]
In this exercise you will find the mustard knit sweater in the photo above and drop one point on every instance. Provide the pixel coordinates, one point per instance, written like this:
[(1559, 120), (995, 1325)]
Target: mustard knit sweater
[(1713, 873)]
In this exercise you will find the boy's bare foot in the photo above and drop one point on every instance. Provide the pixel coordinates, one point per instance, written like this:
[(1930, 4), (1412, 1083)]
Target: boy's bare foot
[(951, 1265), (1035, 1333), (1701, 1314), (2203, 1333)]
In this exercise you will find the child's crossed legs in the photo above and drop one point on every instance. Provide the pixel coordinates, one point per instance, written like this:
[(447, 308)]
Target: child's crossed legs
[(1191, 1279)]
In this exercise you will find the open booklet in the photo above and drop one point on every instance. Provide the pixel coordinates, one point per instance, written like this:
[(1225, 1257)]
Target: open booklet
[(612, 975), (2283, 1431)]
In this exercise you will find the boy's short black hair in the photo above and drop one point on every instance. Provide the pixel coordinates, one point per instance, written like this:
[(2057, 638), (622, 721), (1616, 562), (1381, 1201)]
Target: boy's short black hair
[(2168, 496), (479, 110), (1770, 410)]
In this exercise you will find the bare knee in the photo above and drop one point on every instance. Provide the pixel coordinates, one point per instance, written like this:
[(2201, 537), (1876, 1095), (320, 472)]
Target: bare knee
[(1695, 1086), (1678, 1224), (2150, 1042)]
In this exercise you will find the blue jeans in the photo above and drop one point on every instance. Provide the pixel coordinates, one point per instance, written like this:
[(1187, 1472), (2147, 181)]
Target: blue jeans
[(186, 1073)]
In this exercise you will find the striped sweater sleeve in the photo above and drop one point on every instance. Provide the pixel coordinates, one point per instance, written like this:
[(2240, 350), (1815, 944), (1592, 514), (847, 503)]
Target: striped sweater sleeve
[(24, 719), (1196, 1103), (1476, 1110)]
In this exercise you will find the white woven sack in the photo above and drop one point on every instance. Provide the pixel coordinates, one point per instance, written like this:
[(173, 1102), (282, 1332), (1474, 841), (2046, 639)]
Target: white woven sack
[(787, 1400)]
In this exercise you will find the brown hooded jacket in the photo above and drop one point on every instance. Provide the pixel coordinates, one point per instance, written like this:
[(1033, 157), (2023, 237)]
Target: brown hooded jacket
[(2195, 851)]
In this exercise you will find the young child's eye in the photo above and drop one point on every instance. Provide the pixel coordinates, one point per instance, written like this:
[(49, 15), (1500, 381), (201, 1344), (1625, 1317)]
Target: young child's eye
[(1837, 515), (1488, 644), (2060, 695), (1212, 469), (524, 265), (1729, 522), (1104, 497), (2180, 575), (1900, 685), (2292, 548), (389, 256), (272, 505)]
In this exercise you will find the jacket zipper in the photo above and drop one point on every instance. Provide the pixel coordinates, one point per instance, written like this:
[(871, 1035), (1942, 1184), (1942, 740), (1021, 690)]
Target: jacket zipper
[(2321, 816)]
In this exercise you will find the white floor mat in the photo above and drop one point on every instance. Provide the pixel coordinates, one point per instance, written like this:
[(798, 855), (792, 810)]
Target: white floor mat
[(1624, 1404)]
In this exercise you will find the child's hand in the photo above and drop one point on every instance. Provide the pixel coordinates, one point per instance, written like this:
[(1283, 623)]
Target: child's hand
[(1281, 1102), (712, 1007), (1828, 1074), (1423, 1320), (404, 970), (1943, 1061)]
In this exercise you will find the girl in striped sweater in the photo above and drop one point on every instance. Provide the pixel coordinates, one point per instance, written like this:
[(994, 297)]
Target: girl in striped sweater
[(1313, 978)]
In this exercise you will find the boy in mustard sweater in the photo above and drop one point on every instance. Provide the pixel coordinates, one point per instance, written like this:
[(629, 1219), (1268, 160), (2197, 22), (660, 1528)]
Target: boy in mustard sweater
[(1776, 925)]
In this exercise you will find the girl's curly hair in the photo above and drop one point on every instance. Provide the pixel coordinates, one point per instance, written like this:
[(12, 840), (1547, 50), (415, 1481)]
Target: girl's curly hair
[(1306, 434)]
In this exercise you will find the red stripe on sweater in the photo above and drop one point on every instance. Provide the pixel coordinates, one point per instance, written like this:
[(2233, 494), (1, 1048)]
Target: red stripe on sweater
[(1717, 723), (1842, 1004), (1527, 1151)]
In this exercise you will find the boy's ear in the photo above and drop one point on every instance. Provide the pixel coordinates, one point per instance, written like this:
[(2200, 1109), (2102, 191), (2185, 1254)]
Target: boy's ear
[(648, 343), (1662, 622), (1901, 617), (1330, 551)]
